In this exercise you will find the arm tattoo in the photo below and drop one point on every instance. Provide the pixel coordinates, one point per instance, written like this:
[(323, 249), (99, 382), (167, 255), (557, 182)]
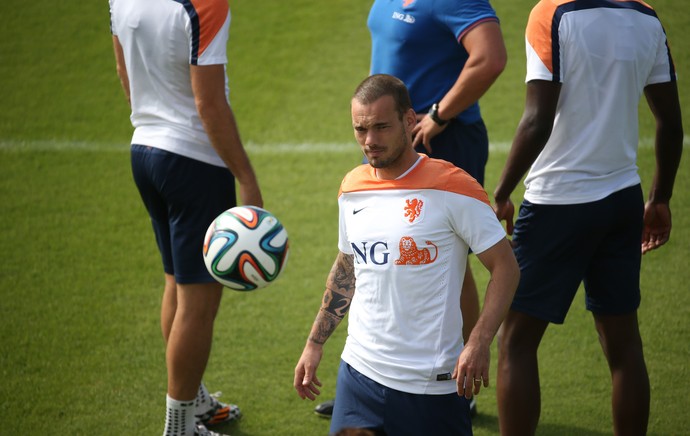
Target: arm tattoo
[(340, 288)]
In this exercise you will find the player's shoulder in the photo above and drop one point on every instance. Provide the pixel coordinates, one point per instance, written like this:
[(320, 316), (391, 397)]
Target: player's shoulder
[(209, 6), (432, 164), (438, 171), (357, 179), (445, 176), (548, 4), (544, 10)]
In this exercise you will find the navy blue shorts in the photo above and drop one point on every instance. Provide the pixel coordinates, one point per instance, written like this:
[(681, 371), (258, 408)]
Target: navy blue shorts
[(560, 246), (364, 403), (464, 145), (183, 196)]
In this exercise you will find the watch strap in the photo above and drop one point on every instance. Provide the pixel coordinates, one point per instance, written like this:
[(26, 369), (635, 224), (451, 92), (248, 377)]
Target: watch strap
[(433, 114)]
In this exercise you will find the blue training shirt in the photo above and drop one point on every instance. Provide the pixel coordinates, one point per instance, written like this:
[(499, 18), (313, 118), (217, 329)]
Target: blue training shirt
[(418, 41)]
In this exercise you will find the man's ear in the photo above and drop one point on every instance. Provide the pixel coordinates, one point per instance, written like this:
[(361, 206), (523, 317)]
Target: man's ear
[(410, 118)]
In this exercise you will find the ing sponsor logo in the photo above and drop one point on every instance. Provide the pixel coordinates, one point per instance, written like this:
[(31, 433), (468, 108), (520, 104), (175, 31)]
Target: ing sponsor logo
[(378, 253)]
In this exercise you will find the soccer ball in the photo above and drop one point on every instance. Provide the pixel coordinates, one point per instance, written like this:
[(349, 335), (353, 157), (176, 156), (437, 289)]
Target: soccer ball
[(245, 248)]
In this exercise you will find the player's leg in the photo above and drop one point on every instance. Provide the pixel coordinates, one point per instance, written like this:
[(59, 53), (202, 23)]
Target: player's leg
[(194, 193), (415, 414), (168, 305), (517, 384), (361, 401), (620, 339), (207, 192), (207, 408), (552, 245), (145, 161), (612, 286), (187, 352), (189, 343)]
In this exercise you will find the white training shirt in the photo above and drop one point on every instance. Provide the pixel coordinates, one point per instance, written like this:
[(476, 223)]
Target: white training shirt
[(604, 53), (160, 40), (410, 238)]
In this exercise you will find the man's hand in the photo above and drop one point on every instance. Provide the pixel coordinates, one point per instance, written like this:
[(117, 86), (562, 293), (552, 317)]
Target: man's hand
[(306, 382), (504, 212), (657, 226), (424, 131), (472, 369)]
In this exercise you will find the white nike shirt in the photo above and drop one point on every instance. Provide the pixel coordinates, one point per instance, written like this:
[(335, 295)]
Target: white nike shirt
[(410, 239)]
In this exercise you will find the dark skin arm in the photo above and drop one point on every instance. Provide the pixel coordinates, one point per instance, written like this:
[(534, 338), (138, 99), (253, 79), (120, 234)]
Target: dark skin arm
[(535, 128), (532, 134), (665, 106)]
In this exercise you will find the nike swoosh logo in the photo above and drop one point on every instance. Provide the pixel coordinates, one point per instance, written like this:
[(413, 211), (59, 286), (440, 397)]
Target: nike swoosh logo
[(356, 211)]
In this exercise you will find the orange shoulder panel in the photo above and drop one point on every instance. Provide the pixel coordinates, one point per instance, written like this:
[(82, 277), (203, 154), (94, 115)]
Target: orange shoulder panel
[(362, 178), (212, 15), (538, 31), (429, 174), (445, 176)]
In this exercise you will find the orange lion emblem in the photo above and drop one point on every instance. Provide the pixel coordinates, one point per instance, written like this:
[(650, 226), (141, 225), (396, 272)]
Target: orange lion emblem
[(411, 255), (413, 208)]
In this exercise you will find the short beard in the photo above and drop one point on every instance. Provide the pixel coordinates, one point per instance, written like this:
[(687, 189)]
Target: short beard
[(385, 163)]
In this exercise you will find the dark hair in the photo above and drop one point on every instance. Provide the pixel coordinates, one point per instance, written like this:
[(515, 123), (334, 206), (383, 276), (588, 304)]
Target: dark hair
[(380, 85)]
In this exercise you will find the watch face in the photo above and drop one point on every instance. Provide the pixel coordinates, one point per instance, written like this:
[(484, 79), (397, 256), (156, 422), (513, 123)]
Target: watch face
[(433, 114)]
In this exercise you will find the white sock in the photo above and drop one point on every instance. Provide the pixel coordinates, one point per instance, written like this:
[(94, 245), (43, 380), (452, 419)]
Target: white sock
[(179, 419), (203, 400)]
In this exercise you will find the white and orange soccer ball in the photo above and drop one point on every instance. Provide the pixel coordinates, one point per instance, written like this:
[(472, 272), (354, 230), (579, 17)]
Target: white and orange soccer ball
[(246, 248)]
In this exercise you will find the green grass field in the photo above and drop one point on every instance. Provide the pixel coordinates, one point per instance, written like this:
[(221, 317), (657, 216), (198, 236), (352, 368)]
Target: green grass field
[(80, 277)]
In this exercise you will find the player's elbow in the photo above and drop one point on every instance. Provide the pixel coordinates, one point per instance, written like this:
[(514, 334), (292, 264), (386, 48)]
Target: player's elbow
[(671, 130), (210, 108), (497, 62), (536, 125), (490, 66), (493, 61)]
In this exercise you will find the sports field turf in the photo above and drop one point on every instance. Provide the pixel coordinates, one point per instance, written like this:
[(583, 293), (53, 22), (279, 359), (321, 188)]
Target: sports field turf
[(80, 278)]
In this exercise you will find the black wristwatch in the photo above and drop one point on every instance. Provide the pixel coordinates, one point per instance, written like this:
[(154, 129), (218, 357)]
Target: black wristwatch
[(433, 114)]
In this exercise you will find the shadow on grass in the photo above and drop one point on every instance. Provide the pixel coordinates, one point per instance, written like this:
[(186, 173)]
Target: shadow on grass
[(482, 423), (489, 423), (229, 428)]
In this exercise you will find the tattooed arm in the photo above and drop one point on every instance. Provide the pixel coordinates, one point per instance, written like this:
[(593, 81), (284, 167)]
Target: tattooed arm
[(340, 288)]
